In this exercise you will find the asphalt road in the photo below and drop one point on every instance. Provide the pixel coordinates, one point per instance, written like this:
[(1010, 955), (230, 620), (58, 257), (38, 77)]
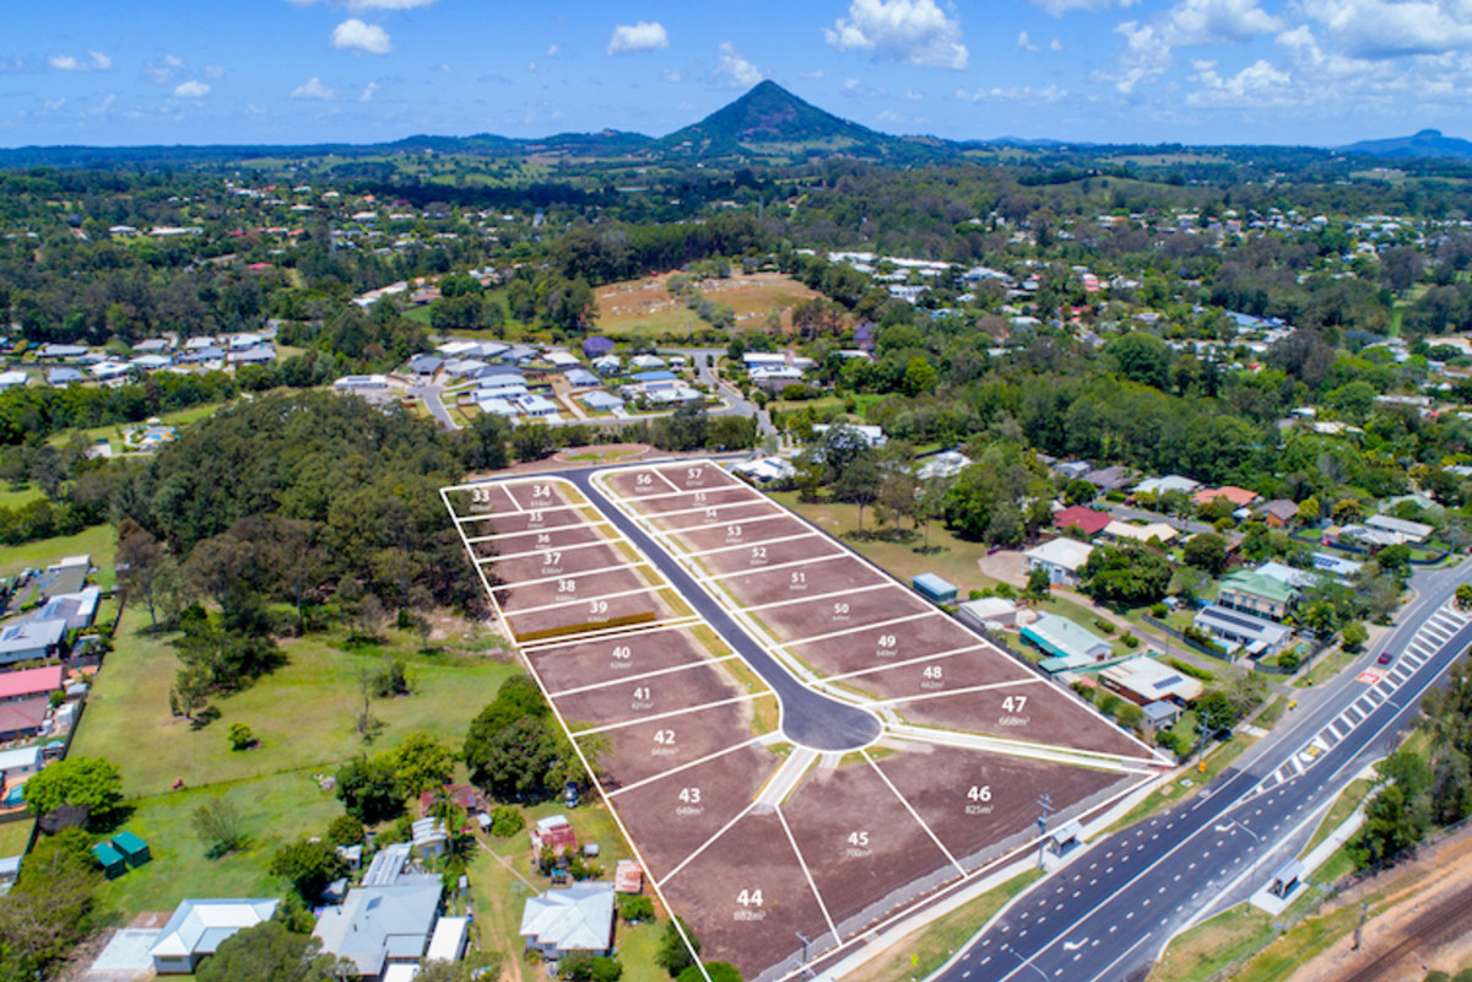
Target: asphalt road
[(1109, 913), (809, 718)]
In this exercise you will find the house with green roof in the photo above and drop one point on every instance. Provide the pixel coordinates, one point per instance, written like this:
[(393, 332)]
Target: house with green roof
[(1257, 593)]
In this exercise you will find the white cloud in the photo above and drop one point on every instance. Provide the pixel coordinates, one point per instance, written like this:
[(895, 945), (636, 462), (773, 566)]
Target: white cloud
[(173, 61), (64, 63), (1394, 28), (313, 88), (1055, 45), (387, 4), (913, 31), (738, 72), (1060, 7), (214, 71), (52, 105), (646, 35), (97, 61), (1149, 46), (1025, 93), (1259, 85), (368, 92), (356, 35), (100, 60), (1025, 42), (192, 89), (552, 50), (671, 76), (815, 74)]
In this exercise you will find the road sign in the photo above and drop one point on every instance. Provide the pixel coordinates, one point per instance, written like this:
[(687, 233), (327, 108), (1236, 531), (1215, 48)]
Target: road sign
[(1371, 676)]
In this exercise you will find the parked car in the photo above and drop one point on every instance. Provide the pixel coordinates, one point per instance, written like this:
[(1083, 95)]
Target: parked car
[(1385, 658)]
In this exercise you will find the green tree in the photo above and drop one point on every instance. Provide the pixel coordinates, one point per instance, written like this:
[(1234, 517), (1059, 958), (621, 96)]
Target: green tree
[(51, 906), (1353, 636), (674, 955), (219, 826), (369, 789), (581, 967), (1130, 575), (859, 483), (506, 821), (718, 972), (269, 951), (240, 737), (1464, 596), (91, 782), (1309, 510), (920, 377), (345, 830), (308, 866), (1039, 584), (1392, 825), (515, 763), (420, 763), (634, 908), (1206, 551)]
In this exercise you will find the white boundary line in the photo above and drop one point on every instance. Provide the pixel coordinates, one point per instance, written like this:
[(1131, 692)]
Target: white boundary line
[(705, 845), (498, 557), (955, 692), (716, 577), (586, 600), (867, 627), (574, 575), (913, 813), (938, 656), (687, 765), (729, 523), (673, 713), (659, 515), (748, 545), (837, 938), (481, 516), (477, 539), (656, 673), (582, 758), (849, 592), (611, 633)]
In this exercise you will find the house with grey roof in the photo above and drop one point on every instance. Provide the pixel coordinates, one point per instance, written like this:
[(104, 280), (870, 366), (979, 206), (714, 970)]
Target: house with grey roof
[(31, 640), (378, 927), (578, 919), (198, 927)]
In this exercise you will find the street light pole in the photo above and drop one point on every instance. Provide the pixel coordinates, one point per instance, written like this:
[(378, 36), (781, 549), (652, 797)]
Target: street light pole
[(1045, 803)]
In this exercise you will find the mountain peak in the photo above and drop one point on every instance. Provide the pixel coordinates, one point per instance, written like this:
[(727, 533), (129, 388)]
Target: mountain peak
[(1426, 143), (767, 115)]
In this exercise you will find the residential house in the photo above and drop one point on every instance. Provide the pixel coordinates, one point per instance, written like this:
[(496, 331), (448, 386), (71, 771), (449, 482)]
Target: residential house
[(1417, 532), (54, 351), (597, 347), (61, 377), (1164, 485), (261, 354), (607, 365), (29, 683), (1239, 497), (554, 832), (1237, 630), (198, 927), (580, 378), (1129, 532), (425, 366), (947, 463), (873, 435), (577, 920), (1063, 559), (602, 402), (766, 470), (1067, 645), (383, 924), (362, 383), (988, 612), (646, 362), (1086, 520), (19, 762), (1280, 513), (32, 640), (15, 379), (1144, 681), (1108, 478), (1253, 592)]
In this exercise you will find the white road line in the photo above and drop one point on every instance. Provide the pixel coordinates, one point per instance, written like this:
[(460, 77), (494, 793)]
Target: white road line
[(746, 545), (956, 692), (704, 845), (848, 592), (938, 656), (573, 576), (866, 627), (586, 600), (807, 873), (683, 767), (609, 633), (555, 528), (665, 478), (655, 673), (672, 713), (913, 814)]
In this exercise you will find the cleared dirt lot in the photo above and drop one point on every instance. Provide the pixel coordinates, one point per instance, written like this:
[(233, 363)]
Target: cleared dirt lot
[(929, 678), (793, 583), (569, 666), (1047, 716), (566, 590), (622, 701), (646, 749), (529, 521), (874, 647), (753, 856), (589, 615), (556, 561), (707, 514), (939, 785), (672, 817), (860, 843), (539, 541), (645, 307)]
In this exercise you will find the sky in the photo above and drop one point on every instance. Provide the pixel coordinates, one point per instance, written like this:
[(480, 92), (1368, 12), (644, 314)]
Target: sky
[(1326, 72)]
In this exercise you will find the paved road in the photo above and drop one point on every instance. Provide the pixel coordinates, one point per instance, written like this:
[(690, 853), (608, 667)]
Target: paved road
[(704, 360), (809, 718), (1108, 914), (430, 395)]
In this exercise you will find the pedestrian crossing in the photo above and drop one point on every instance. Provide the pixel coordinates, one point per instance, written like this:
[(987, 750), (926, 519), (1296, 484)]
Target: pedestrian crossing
[(1434, 633)]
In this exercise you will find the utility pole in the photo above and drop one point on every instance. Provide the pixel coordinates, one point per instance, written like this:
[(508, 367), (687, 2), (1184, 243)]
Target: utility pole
[(1359, 929), (807, 972), (1045, 804)]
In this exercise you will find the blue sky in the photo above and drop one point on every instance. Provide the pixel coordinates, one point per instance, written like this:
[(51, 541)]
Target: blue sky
[(298, 71)]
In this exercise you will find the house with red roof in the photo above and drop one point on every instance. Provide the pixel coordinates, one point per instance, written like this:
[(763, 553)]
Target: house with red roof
[(29, 682), (1239, 497), (1087, 520), (554, 832)]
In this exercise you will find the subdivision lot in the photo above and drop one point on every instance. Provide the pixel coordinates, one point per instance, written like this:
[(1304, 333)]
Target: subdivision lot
[(645, 749), (662, 500), (745, 556), (746, 896), (974, 800), (489, 544), (591, 615), (554, 558), (675, 815), (527, 521), (542, 591), (620, 702), (705, 515), (797, 582), (838, 610), (865, 850), (739, 534), (935, 676), (1036, 713), (576, 664), (855, 650)]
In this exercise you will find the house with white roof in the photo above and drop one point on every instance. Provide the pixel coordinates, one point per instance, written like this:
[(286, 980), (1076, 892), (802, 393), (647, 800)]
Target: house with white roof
[(198, 927), (1063, 559), (12, 379), (578, 919)]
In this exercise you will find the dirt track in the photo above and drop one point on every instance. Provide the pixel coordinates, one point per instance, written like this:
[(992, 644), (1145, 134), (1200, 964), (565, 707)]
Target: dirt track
[(1426, 926)]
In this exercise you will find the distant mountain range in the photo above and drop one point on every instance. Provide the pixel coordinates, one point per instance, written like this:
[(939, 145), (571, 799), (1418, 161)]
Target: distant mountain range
[(767, 122), (1427, 143)]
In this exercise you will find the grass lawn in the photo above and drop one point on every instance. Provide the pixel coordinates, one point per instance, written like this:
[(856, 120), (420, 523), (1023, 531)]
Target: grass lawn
[(1325, 667), (927, 949), (1349, 799), (303, 713), (1217, 761), (113, 432), (1213, 945), (99, 541), (23, 495), (274, 810), (956, 560), (14, 836), (500, 892)]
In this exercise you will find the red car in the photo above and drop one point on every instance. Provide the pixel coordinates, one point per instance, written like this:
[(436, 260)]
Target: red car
[(1385, 658)]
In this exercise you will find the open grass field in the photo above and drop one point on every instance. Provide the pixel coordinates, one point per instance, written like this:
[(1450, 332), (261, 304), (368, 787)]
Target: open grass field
[(274, 810), (15, 497), (113, 432), (100, 541), (302, 713), (953, 559), (13, 837), (644, 308)]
